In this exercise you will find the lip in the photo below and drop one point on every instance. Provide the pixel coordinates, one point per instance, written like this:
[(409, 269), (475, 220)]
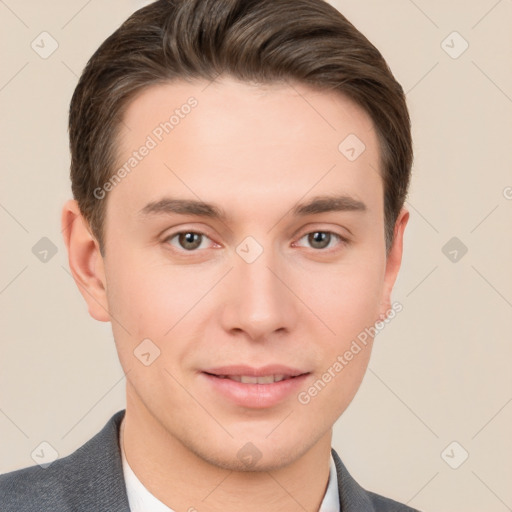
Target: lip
[(254, 396), (270, 369)]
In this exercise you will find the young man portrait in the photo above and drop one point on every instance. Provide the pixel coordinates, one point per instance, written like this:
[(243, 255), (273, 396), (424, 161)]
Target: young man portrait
[(239, 170)]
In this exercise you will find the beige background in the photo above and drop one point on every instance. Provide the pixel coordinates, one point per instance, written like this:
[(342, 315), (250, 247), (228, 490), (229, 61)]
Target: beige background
[(440, 372)]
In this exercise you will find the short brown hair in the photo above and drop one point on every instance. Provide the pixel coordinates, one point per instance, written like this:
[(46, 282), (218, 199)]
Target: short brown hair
[(262, 41)]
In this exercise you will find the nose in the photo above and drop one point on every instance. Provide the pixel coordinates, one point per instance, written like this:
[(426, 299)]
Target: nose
[(258, 298)]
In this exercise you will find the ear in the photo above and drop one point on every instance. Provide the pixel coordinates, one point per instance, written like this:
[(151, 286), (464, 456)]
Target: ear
[(393, 262), (85, 261)]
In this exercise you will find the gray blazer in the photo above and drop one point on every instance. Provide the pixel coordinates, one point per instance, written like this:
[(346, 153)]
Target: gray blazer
[(91, 480)]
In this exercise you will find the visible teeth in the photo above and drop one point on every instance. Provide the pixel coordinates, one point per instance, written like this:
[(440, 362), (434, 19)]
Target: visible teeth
[(250, 379), (267, 379), (246, 379)]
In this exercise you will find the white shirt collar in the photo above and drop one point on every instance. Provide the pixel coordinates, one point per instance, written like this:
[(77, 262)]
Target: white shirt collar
[(141, 500)]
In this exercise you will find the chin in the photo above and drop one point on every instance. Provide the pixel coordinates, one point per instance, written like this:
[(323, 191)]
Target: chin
[(257, 456)]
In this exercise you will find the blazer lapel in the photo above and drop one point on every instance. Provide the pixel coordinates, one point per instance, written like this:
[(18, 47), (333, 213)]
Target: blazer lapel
[(353, 498), (93, 474)]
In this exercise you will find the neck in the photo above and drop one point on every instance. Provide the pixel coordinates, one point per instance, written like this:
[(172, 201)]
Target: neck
[(184, 481)]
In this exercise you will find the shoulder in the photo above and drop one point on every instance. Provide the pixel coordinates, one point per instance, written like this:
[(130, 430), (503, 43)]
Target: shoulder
[(31, 488), (88, 476), (382, 504), (354, 498)]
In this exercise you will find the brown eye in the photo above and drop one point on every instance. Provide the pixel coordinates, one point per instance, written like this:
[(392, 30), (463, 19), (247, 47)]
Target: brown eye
[(326, 241), (187, 240), (319, 239), (190, 241)]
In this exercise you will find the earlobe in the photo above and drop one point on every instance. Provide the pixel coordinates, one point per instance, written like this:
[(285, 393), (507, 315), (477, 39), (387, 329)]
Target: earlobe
[(85, 261), (393, 262)]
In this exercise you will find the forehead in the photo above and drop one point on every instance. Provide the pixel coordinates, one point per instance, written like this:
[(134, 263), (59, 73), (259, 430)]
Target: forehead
[(260, 110), (229, 141)]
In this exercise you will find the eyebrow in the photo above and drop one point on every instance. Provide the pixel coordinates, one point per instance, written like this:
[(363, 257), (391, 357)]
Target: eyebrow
[(319, 204)]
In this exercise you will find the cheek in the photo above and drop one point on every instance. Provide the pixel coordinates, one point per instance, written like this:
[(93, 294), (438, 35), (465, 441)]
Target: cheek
[(151, 297), (156, 300), (348, 303), (148, 303), (346, 299)]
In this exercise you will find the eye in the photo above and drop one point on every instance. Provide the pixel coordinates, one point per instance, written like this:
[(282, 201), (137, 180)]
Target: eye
[(321, 240), (188, 240)]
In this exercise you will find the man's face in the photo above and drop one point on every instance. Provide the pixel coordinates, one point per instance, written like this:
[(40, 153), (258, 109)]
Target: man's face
[(265, 285)]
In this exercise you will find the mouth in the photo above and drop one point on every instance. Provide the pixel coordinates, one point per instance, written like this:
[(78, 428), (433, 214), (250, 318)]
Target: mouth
[(256, 388), (251, 379), (245, 374)]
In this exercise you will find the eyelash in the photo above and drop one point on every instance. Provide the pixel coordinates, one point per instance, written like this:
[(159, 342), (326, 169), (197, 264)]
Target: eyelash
[(342, 241)]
